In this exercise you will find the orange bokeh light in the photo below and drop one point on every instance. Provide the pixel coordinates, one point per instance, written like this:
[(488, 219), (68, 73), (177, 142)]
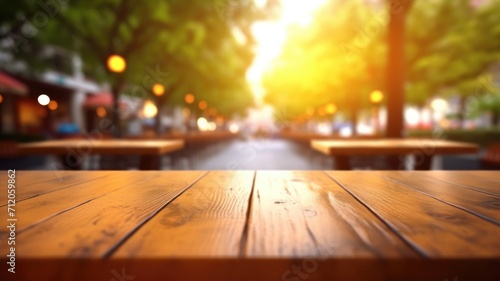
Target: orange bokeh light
[(189, 98), (203, 105), (52, 105), (101, 112), (116, 63), (158, 90)]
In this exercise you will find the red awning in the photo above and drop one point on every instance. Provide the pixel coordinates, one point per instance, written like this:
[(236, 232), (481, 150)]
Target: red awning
[(103, 99), (9, 85)]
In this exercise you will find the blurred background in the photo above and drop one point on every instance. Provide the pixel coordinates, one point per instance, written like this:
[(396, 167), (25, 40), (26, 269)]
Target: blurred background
[(257, 79)]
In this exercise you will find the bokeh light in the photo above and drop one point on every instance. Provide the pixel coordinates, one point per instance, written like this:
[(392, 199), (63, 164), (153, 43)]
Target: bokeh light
[(202, 124), (439, 105), (189, 98), (101, 112), (43, 99), (116, 63), (376, 96), (53, 105), (234, 128), (150, 110), (331, 108), (203, 105), (158, 90)]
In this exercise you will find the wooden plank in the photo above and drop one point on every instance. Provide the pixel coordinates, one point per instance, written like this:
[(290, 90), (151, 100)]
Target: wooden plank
[(207, 220), (40, 208), (392, 147), (436, 229), (297, 214), (477, 203), (92, 229), (88, 147), (31, 184), (483, 181)]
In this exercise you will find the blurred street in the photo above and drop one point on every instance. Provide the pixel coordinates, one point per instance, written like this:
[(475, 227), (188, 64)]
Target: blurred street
[(261, 155)]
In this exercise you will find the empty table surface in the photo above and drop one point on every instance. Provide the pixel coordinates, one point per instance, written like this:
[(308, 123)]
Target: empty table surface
[(246, 225), (424, 148), (90, 146), (72, 151)]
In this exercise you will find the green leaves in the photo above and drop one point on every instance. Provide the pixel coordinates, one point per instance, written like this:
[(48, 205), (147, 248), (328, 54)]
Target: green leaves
[(342, 56)]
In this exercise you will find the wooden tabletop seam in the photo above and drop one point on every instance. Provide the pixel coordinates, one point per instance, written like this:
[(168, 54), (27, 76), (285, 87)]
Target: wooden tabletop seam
[(419, 251), (121, 241), (485, 217)]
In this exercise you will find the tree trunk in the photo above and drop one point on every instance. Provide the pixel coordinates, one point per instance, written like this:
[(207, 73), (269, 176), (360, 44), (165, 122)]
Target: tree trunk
[(115, 115), (395, 69), (421, 116), (159, 104), (461, 113), (495, 119), (354, 120)]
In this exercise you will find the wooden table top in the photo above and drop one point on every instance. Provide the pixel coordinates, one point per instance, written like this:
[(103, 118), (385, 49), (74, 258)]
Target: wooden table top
[(246, 225), (90, 146), (392, 146)]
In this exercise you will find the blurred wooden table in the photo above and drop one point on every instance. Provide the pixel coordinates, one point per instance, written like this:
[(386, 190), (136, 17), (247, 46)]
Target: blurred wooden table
[(245, 225), (423, 149), (72, 151)]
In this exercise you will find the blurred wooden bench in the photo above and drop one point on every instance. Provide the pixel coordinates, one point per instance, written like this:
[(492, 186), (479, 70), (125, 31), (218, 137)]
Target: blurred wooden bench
[(491, 158), (8, 149)]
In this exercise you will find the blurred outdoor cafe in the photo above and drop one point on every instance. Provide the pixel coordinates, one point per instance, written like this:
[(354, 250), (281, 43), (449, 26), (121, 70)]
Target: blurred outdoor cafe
[(266, 139)]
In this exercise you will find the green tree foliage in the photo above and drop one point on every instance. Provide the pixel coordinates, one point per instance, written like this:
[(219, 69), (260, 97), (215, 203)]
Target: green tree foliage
[(189, 43), (342, 56)]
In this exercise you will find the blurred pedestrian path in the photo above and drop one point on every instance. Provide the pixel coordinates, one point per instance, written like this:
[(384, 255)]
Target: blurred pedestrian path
[(260, 154)]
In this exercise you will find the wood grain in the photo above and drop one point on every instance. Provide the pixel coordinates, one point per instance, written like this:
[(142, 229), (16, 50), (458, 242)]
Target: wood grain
[(90, 146), (480, 204), (392, 147), (92, 229), (483, 181), (45, 206), (432, 227), (297, 214), (31, 184), (208, 220)]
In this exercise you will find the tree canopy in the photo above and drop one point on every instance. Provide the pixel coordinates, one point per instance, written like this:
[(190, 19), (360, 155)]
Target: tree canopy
[(189, 43), (342, 56)]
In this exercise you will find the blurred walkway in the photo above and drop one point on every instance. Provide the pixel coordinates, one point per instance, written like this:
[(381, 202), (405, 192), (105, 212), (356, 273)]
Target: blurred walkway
[(263, 154)]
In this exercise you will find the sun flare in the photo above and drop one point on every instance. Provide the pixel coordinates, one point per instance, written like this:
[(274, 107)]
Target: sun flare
[(271, 36)]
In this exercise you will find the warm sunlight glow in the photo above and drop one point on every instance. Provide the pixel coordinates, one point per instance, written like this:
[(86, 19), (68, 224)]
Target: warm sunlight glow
[(116, 63), (310, 111), (271, 35), (150, 109), (331, 108), (1, 98)]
